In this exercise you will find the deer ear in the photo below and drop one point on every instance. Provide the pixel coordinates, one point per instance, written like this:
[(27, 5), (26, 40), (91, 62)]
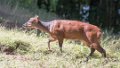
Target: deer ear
[(37, 17)]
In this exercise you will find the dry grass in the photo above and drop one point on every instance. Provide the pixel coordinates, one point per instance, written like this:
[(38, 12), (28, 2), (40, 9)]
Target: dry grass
[(32, 52)]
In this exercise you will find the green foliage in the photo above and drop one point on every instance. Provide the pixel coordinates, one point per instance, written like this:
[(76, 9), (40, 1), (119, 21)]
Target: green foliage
[(53, 5), (102, 13), (30, 4), (26, 3)]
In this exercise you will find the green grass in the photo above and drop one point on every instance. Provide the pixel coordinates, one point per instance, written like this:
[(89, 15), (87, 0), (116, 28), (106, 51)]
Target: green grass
[(32, 52)]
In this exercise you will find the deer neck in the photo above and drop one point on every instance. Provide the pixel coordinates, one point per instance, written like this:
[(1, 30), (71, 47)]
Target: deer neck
[(43, 26)]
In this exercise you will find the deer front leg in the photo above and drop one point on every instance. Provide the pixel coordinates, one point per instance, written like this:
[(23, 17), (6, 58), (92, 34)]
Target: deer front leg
[(50, 40)]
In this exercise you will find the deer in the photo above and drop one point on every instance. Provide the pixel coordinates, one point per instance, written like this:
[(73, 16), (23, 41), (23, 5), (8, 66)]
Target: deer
[(69, 29)]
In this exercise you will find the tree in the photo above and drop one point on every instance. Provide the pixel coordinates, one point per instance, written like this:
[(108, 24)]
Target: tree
[(46, 4), (104, 13)]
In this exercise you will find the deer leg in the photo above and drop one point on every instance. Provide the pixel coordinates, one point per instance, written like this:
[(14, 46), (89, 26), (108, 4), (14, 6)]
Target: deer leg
[(60, 44), (88, 43), (89, 40), (50, 40), (92, 51), (99, 49), (95, 43)]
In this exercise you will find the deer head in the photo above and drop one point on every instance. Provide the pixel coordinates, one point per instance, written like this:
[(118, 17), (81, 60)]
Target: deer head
[(32, 23)]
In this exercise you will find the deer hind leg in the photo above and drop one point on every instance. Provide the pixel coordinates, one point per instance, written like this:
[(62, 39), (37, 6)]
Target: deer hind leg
[(88, 43), (99, 49), (95, 44), (92, 51)]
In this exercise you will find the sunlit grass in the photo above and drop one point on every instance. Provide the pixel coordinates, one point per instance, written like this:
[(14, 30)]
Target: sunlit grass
[(33, 53)]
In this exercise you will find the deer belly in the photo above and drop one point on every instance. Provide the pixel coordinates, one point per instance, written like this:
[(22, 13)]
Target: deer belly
[(73, 35)]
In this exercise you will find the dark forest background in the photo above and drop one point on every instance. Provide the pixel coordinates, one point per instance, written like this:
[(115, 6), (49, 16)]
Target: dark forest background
[(103, 13)]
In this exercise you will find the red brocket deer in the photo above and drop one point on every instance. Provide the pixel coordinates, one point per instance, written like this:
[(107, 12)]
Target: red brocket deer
[(69, 29)]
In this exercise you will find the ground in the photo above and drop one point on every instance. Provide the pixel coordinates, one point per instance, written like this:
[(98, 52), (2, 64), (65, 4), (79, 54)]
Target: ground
[(32, 51)]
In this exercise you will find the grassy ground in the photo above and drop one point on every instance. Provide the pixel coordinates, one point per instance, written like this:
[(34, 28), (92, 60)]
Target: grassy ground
[(32, 52)]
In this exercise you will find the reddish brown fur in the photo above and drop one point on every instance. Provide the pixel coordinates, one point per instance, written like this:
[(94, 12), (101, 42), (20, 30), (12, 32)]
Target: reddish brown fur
[(70, 29)]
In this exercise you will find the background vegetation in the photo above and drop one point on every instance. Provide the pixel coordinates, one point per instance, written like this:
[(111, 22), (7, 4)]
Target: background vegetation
[(21, 49), (103, 13)]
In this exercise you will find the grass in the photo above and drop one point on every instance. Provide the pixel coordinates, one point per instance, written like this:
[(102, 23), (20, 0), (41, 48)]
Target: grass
[(32, 52)]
